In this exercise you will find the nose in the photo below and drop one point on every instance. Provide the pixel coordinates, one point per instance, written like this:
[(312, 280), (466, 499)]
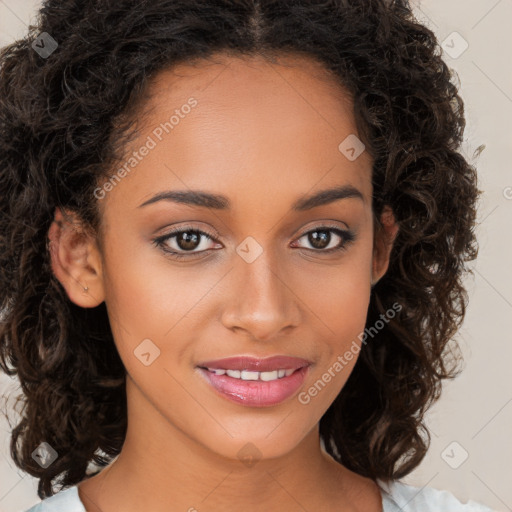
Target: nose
[(263, 302)]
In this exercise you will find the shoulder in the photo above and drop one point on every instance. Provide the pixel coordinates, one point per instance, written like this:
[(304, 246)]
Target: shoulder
[(400, 497), (64, 501)]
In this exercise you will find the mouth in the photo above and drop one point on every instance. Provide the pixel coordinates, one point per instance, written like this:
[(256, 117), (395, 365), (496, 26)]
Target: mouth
[(250, 375), (256, 382)]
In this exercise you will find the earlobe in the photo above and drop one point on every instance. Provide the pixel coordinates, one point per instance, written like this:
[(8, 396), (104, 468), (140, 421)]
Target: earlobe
[(75, 260), (384, 238)]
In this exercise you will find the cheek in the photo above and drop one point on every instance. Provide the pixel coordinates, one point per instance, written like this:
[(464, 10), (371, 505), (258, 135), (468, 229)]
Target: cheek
[(147, 300), (339, 345), (147, 293), (340, 296), (345, 315), (338, 302)]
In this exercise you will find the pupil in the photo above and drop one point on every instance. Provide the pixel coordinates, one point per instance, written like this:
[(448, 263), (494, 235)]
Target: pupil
[(188, 242), (320, 239)]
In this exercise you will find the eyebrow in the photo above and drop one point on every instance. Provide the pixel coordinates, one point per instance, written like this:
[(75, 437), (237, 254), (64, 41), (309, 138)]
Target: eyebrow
[(220, 202)]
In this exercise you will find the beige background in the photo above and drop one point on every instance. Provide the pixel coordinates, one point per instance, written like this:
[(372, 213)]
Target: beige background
[(474, 416)]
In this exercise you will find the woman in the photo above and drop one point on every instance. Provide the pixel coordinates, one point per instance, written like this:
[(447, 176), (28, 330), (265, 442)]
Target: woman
[(234, 236)]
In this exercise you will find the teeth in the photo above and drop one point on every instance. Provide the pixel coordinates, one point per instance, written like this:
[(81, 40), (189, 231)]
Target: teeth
[(247, 375), (250, 375), (266, 376)]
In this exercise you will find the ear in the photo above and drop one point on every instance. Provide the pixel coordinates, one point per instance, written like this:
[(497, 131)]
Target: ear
[(76, 260), (384, 237)]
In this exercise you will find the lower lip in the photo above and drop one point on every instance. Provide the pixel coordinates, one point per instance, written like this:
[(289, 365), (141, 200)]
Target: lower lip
[(257, 393)]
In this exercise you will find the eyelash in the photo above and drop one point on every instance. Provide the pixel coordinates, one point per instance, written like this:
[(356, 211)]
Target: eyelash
[(347, 236)]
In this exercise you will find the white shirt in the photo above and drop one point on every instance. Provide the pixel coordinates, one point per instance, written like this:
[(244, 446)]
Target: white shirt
[(396, 497)]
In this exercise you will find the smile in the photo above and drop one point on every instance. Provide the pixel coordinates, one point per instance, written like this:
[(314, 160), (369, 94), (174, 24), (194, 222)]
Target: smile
[(252, 391), (250, 375)]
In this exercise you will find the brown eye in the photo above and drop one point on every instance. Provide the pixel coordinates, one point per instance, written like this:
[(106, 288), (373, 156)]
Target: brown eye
[(185, 240), (322, 239), (188, 240), (319, 239)]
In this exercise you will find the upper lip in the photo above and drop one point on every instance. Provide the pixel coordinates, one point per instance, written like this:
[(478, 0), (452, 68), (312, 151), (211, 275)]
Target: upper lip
[(256, 364)]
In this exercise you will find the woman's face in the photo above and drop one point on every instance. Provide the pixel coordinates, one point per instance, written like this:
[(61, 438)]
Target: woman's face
[(280, 275)]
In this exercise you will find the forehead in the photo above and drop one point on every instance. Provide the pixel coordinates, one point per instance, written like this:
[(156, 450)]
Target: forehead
[(255, 125)]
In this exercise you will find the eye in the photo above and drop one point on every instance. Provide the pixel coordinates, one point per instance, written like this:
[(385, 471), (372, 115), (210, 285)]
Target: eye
[(184, 240), (323, 241)]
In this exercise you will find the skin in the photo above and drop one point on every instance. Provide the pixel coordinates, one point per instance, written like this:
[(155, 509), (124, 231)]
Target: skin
[(263, 134)]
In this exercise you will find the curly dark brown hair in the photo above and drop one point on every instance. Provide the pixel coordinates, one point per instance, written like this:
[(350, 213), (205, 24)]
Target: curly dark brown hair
[(65, 119)]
